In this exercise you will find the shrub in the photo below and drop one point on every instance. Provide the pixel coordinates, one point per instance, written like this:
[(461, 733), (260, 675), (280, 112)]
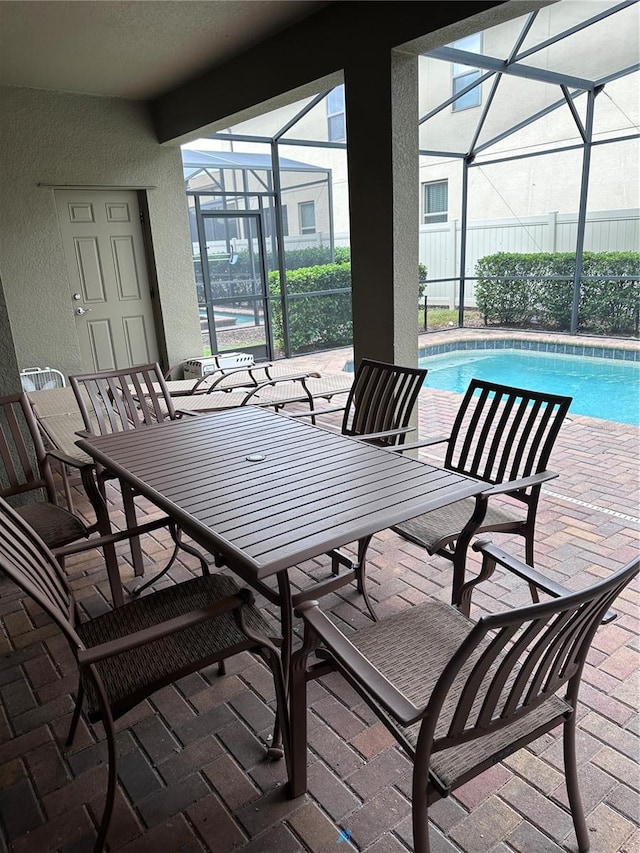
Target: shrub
[(520, 295), (502, 292), (316, 321)]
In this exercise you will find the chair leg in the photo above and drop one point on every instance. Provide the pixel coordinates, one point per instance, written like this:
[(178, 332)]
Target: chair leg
[(176, 534), (76, 714), (111, 785), (361, 575), (92, 486), (529, 558), (157, 577), (573, 787), (420, 813)]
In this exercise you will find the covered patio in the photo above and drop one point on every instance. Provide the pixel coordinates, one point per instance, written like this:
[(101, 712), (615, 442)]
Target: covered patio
[(193, 773)]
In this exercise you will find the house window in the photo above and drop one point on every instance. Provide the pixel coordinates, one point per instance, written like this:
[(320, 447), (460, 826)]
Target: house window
[(336, 128), (435, 201), (307, 214), (463, 75)]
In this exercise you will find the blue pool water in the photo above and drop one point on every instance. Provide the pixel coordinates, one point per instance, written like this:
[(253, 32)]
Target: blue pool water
[(600, 387)]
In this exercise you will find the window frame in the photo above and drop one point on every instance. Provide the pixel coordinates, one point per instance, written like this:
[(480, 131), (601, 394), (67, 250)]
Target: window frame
[(336, 115), (473, 44), (307, 229), (429, 217)]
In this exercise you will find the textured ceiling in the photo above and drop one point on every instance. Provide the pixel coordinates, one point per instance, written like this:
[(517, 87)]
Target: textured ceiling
[(133, 49)]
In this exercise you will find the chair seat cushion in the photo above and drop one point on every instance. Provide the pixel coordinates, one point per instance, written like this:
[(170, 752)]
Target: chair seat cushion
[(54, 524), (135, 674), (435, 529), (411, 649)]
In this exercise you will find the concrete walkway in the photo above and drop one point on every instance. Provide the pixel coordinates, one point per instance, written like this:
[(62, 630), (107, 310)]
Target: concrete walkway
[(192, 770)]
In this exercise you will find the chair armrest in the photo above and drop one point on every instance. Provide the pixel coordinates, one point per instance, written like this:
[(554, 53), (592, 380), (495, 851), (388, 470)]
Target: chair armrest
[(518, 485), (289, 377), (327, 411), (226, 372), (372, 436), (527, 573), (68, 460), (518, 567), (425, 442), (354, 662), (163, 629)]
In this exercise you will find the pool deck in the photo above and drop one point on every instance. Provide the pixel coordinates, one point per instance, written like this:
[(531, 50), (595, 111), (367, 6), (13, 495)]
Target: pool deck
[(192, 770)]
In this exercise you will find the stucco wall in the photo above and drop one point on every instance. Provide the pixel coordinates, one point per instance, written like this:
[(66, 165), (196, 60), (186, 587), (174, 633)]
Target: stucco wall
[(64, 139)]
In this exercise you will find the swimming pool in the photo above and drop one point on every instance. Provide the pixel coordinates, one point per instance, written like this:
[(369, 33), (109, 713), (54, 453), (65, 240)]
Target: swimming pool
[(601, 387)]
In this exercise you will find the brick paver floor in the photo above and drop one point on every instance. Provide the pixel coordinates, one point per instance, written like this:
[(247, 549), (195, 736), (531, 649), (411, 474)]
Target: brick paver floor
[(192, 769)]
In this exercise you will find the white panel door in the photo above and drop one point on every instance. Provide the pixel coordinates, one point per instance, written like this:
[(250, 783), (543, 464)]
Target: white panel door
[(110, 295)]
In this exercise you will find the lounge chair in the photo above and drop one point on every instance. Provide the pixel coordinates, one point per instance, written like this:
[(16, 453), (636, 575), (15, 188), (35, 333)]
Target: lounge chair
[(278, 392)]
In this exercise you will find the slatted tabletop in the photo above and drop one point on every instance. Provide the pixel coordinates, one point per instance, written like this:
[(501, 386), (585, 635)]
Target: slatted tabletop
[(269, 491)]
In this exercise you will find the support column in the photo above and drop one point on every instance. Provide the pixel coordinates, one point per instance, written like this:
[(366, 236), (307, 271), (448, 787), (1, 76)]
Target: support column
[(381, 96), (9, 375)]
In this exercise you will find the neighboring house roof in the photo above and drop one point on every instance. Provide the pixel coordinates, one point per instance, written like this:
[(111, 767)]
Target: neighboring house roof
[(195, 160)]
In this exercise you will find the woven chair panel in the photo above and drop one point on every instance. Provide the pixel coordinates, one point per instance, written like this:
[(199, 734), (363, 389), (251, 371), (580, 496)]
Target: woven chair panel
[(55, 525), (141, 670), (411, 650), (434, 528)]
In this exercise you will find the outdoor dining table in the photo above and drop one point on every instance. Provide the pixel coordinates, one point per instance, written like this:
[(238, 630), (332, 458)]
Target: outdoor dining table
[(266, 492)]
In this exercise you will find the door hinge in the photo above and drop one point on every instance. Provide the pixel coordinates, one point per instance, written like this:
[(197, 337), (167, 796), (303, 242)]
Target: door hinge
[(141, 217)]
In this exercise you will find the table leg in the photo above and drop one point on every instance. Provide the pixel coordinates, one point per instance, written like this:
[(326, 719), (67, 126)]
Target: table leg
[(132, 522)]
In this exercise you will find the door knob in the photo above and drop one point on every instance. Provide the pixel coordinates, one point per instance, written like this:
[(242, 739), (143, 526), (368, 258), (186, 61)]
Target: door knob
[(80, 310)]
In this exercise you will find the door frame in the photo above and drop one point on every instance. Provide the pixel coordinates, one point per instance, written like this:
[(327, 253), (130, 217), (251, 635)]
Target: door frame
[(152, 276), (256, 215), (142, 198)]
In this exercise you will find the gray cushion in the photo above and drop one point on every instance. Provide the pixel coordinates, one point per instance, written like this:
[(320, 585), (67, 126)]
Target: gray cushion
[(435, 529)]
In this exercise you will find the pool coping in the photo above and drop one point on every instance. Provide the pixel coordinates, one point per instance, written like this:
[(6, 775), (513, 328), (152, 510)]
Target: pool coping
[(481, 339)]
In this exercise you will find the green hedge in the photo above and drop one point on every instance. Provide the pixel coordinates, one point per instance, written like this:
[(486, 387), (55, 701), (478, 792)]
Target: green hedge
[(511, 290), (315, 322)]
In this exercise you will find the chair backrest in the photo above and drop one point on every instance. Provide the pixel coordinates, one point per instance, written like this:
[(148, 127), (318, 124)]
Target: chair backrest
[(119, 400), (25, 466), (382, 398), (502, 433), (30, 564), (511, 662)]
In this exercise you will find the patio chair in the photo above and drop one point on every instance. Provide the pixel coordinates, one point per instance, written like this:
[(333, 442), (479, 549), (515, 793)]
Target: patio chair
[(127, 654), (380, 403), (504, 436), (114, 401), (378, 408), (458, 696), (26, 473)]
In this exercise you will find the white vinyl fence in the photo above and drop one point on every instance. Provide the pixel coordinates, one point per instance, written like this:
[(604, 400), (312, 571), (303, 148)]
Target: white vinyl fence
[(606, 231)]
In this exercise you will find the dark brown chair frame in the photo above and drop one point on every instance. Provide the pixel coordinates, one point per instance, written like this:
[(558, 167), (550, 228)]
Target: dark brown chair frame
[(124, 399), (504, 436), (458, 696), (27, 471), (378, 410), (233, 625)]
